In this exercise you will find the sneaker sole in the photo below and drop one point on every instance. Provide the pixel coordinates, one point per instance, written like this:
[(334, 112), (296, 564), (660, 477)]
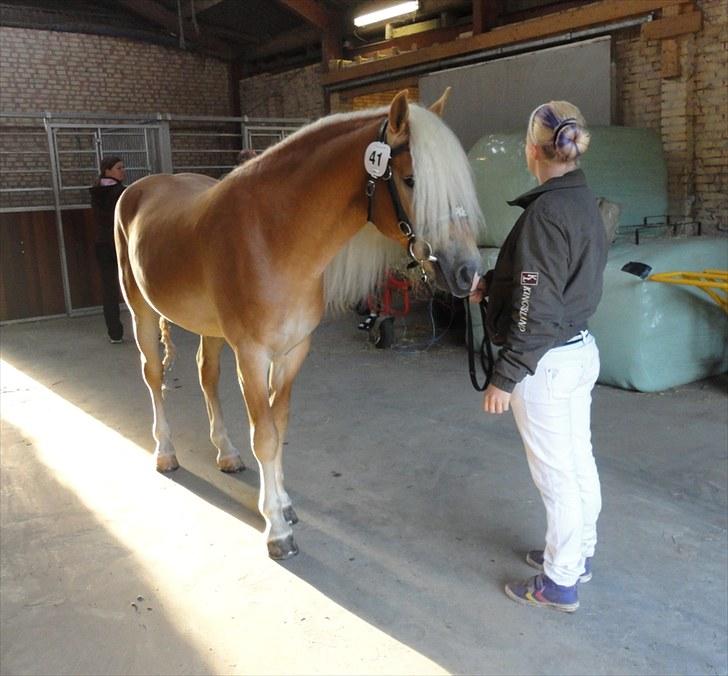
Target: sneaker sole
[(563, 607), (539, 567)]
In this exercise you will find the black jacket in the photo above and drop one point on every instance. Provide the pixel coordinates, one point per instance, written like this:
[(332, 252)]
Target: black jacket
[(547, 280), (103, 202)]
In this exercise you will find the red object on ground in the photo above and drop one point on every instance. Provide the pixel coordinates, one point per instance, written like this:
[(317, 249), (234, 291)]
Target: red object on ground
[(393, 286)]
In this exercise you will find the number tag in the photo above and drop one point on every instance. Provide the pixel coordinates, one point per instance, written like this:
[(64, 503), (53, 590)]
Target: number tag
[(376, 159)]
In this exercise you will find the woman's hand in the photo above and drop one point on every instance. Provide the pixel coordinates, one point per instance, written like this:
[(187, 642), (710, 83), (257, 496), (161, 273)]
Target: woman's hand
[(479, 291), (495, 400)]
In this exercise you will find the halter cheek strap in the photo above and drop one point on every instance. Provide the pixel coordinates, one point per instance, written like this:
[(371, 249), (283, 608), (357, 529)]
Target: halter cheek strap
[(403, 221)]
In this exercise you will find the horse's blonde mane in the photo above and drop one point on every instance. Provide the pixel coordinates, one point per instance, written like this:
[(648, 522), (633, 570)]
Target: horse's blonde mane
[(311, 128), (357, 269)]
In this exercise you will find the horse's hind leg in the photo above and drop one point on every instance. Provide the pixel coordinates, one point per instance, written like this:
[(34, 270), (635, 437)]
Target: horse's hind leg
[(253, 367), (282, 374), (208, 363), (146, 331)]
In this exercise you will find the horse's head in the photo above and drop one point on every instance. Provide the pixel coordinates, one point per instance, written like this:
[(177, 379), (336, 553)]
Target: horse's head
[(432, 182)]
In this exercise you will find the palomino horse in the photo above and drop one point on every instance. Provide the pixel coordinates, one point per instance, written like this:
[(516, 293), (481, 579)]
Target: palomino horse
[(254, 259)]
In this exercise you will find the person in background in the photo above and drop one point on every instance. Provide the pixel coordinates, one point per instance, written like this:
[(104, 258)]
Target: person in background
[(546, 284), (246, 154), (105, 194)]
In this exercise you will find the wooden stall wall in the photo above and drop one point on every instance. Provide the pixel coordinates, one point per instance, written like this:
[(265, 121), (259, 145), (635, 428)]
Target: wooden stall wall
[(83, 273), (30, 279)]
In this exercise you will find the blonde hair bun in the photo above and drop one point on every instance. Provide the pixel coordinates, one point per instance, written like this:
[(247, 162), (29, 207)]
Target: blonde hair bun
[(559, 128), (571, 141)]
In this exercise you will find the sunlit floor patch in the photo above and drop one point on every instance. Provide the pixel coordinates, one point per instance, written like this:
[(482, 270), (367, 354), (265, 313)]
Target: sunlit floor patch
[(214, 580)]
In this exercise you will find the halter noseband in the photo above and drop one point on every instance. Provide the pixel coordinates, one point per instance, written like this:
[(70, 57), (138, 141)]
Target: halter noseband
[(402, 220)]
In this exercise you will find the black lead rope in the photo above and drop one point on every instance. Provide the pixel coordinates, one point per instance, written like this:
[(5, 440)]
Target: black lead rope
[(485, 351)]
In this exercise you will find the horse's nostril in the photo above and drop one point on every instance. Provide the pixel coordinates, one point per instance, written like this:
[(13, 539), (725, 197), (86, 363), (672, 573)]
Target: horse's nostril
[(464, 276)]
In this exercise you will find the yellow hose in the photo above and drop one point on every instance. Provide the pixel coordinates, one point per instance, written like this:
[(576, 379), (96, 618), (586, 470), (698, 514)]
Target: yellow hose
[(713, 282)]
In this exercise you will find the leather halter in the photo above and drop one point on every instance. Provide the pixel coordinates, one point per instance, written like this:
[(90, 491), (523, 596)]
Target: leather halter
[(402, 219)]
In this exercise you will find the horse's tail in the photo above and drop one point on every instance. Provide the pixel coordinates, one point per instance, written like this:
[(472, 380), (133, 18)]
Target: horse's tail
[(170, 352)]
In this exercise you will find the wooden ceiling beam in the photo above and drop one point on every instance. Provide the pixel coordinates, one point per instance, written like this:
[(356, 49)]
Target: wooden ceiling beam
[(204, 40), (312, 11), (485, 14), (296, 38), (328, 23), (198, 6), (672, 26), (585, 16)]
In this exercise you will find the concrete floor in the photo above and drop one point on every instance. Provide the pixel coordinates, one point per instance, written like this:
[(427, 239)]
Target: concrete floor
[(415, 510)]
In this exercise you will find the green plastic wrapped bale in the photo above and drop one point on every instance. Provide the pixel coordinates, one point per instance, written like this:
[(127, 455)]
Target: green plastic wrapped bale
[(500, 174), (625, 165), (651, 335)]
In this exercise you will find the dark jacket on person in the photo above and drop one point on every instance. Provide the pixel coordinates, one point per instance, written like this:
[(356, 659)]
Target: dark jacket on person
[(103, 202), (547, 280)]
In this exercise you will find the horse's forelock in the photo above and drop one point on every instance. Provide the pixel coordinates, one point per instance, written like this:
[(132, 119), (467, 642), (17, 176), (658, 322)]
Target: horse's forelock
[(444, 191)]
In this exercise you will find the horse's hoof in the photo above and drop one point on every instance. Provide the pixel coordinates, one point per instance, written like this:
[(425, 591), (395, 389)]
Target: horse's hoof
[(167, 463), (289, 514), (282, 549), (230, 463)]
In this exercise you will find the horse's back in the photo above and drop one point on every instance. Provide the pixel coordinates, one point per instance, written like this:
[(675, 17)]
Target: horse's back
[(161, 195)]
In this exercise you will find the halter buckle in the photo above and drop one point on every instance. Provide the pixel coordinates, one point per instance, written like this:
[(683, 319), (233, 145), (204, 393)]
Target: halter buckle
[(429, 257)]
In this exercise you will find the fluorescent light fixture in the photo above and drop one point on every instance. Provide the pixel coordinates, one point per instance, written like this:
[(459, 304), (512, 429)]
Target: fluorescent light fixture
[(387, 13)]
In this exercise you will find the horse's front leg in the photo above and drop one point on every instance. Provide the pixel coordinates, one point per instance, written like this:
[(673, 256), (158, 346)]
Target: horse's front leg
[(208, 363), (282, 374), (253, 366)]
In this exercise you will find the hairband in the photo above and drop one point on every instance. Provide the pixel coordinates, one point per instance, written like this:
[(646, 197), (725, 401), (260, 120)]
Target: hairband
[(561, 125)]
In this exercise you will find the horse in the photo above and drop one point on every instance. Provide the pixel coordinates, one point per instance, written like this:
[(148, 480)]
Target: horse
[(255, 259)]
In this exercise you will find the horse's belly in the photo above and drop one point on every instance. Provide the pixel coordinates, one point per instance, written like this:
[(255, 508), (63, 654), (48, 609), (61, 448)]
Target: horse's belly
[(179, 301), (194, 323)]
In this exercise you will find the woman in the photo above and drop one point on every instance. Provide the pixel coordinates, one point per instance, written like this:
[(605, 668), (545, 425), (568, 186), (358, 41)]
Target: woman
[(546, 284), (104, 195)]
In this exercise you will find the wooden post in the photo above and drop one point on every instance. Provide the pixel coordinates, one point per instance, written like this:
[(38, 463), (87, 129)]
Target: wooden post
[(485, 15)]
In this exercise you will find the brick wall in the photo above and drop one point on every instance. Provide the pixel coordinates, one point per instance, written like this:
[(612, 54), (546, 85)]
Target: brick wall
[(72, 72), (689, 111), (295, 93), (710, 115)]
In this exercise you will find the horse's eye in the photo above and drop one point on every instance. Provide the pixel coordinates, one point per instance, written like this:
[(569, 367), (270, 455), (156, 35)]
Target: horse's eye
[(409, 181)]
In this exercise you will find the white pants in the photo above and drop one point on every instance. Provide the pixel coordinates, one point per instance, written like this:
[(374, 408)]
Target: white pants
[(552, 412)]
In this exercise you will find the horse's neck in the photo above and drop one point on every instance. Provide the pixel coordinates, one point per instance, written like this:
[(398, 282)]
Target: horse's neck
[(322, 183)]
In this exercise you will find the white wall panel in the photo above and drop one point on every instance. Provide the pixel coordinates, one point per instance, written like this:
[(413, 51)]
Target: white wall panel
[(498, 96)]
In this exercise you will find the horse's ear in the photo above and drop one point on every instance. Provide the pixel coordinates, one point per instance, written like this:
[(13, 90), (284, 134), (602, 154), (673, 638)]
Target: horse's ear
[(439, 106), (398, 113)]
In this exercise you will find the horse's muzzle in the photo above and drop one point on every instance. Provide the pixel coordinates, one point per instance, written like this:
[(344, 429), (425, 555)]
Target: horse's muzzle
[(459, 279)]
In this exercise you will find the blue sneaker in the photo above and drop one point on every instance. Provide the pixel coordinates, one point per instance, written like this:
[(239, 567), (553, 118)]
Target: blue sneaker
[(542, 591), (534, 558)]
